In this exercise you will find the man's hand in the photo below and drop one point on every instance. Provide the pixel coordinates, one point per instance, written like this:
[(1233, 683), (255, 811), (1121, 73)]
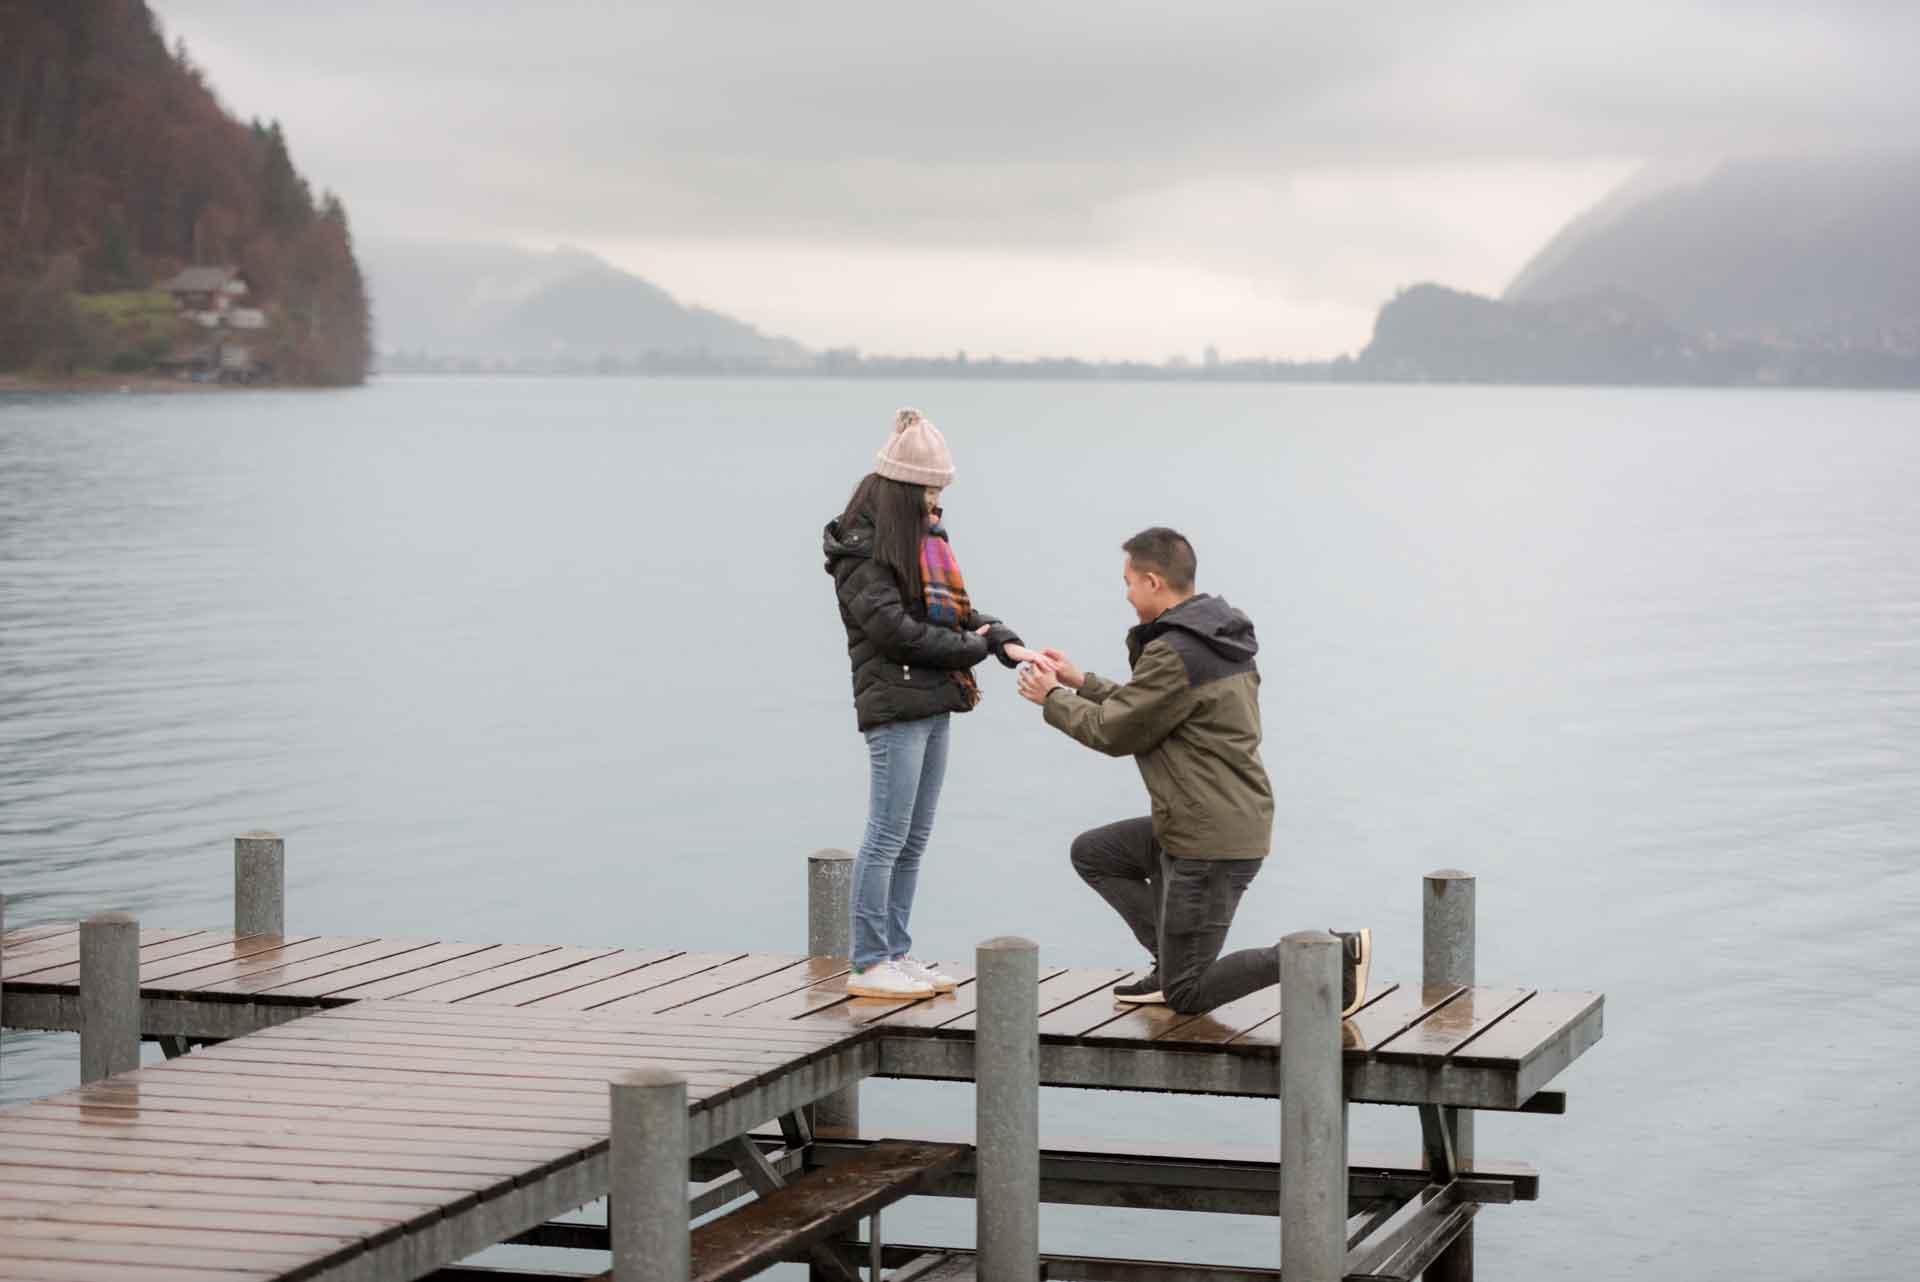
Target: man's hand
[(1036, 682), (1070, 675)]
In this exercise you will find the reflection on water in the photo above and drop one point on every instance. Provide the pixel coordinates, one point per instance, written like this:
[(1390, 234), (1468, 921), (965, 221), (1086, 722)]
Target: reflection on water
[(554, 661)]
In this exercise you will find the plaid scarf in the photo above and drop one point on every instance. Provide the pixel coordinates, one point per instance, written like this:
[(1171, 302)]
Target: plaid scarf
[(946, 593)]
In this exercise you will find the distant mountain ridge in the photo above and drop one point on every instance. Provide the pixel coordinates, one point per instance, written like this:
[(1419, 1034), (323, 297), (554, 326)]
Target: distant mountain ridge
[(448, 304), (1777, 271), (1794, 271), (1815, 250)]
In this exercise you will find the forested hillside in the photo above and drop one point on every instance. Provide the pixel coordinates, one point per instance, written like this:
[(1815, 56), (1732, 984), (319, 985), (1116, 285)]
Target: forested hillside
[(118, 168)]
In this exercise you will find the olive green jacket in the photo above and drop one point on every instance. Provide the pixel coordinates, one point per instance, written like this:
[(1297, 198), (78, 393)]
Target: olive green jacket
[(1190, 718)]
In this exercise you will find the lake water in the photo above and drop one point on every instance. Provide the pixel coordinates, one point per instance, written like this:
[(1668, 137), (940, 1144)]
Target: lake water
[(556, 661)]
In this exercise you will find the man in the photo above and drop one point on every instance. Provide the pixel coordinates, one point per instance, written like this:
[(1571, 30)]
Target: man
[(1189, 716)]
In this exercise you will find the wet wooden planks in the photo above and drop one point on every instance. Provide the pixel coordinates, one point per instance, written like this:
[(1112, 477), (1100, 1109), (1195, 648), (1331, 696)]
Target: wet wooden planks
[(1475, 1047), (377, 1127), (324, 971), (1404, 1026)]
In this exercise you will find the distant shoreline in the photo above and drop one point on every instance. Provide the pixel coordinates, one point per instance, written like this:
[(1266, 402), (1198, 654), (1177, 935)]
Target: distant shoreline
[(130, 384), (101, 383), (1011, 372)]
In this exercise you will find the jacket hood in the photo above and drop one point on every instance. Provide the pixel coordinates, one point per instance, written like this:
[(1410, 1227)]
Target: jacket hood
[(1206, 618), (855, 539)]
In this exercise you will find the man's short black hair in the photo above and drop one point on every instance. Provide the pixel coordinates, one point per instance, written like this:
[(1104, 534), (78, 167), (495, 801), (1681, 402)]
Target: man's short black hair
[(1164, 552)]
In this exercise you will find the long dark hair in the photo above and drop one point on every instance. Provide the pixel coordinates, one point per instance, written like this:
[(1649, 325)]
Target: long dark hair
[(898, 511)]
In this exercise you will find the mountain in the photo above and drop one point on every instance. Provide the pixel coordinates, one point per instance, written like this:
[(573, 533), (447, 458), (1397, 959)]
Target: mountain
[(477, 305), (118, 168), (1795, 251), (1433, 334), (1795, 271)]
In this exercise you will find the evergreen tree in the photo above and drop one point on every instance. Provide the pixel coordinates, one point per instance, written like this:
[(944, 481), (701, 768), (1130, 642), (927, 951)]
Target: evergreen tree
[(286, 202), (118, 165)]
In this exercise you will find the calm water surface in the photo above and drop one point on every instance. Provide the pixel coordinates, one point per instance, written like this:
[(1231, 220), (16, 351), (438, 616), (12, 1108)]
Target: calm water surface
[(555, 661)]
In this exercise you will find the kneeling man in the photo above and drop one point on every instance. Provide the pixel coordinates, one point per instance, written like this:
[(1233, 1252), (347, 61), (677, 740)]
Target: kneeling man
[(1189, 716)]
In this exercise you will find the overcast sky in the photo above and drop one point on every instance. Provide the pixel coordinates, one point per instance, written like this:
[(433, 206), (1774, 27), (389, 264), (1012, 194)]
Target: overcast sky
[(1093, 179)]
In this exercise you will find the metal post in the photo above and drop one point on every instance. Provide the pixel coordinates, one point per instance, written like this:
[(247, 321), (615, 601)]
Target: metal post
[(830, 934), (259, 884), (1006, 1073), (1446, 954), (1313, 1111), (109, 996), (647, 1176)]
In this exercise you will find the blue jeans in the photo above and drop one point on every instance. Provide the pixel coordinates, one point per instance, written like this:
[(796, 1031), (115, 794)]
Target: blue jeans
[(908, 761)]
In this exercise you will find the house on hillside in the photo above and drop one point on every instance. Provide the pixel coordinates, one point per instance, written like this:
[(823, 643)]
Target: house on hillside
[(206, 289)]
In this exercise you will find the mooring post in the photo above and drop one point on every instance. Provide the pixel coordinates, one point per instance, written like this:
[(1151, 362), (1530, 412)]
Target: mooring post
[(1313, 1111), (647, 1176), (1446, 957), (830, 934), (259, 884), (109, 996), (1006, 1075)]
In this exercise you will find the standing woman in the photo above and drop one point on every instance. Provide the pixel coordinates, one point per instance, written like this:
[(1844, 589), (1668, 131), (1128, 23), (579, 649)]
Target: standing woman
[(913, 637)]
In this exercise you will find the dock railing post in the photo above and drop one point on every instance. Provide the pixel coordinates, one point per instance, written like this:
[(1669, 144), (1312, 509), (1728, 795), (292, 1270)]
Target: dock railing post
[(830, 934), (259, 884), (1006, 1076), (109, 996), (1313, 1111), (647, 1176), (1446, 957)]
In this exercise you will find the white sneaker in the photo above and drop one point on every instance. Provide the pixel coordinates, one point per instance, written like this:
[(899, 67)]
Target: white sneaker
[(926, 973), (885, 979)]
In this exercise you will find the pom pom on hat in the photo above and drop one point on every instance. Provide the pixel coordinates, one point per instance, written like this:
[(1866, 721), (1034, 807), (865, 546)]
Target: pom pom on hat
[(915, 452)]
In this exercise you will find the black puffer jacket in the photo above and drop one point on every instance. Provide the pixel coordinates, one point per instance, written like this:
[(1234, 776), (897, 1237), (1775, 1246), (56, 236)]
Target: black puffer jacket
[(902, 665)]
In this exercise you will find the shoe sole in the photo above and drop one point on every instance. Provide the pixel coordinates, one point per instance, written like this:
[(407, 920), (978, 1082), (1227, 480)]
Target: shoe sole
[(889, 994), (1141, 999), (1360, 970)]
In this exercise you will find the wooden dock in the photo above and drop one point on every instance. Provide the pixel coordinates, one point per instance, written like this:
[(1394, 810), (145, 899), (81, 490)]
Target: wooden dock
[(1488, 1048), (348, 1108), (381, 1140)]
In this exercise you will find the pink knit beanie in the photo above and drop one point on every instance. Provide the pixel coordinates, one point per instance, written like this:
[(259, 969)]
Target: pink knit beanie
[(915, 453)]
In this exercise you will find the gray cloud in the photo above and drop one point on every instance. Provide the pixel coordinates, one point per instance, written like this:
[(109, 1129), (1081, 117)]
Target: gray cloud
[(1009, 122), (1018, 128)]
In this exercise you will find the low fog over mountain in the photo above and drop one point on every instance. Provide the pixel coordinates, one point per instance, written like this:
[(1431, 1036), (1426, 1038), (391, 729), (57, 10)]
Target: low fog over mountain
[(1804, 250), (437, 305), (1778, 270)]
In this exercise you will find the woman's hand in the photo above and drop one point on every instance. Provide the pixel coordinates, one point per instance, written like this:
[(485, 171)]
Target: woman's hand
[(1039, 659)]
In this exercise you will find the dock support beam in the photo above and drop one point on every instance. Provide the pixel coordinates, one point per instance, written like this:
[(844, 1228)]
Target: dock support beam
[(1007, 1110), (259, 884), (1313, 1111), (109, 996), (647, 1176), (1446, 952), (830, 934)]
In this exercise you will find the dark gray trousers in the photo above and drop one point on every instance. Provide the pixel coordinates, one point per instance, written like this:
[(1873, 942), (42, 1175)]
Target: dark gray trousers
[(1180, 910)]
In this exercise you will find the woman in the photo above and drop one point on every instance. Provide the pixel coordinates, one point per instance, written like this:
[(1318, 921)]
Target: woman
[(913, 637)]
